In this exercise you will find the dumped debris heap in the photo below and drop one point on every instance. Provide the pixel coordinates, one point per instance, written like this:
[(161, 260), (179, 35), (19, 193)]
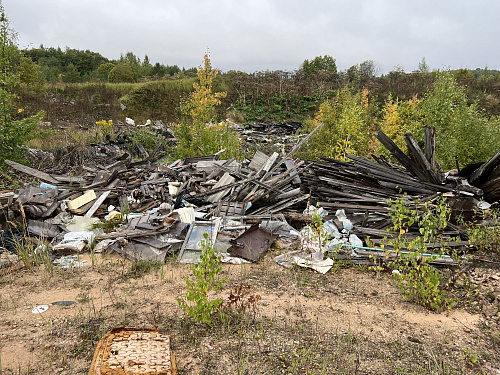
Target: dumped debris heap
[(242, 206)]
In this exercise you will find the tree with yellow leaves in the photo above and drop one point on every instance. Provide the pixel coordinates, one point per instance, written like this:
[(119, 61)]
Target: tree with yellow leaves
[(204, 136)]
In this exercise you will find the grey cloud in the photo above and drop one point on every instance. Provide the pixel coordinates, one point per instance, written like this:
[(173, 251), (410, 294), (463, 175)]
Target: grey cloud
[(268, 34)]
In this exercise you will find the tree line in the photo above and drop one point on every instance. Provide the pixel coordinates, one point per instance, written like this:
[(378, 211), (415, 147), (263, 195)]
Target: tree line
[(51, 65)]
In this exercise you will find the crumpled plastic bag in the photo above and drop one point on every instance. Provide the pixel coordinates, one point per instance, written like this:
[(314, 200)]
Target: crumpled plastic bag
[(75, 241), (314, 260)]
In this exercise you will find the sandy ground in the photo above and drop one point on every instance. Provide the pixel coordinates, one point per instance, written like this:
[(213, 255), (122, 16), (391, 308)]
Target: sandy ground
[(350, 320)]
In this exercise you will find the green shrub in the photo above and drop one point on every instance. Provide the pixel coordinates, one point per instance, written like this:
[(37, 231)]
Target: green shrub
[(149, 138), (484, 235), (122, 72), (197, 303), (416, 279), (348, 127), (15, 130), (463, 132)]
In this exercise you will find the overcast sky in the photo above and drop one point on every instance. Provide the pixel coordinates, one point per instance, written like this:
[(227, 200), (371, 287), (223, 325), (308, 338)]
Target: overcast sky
[(268, 34)]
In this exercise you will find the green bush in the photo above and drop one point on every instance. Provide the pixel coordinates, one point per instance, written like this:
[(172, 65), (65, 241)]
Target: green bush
[(463, 132), (348, 127), (197, 303), (149, 138), (15, 130), (484, 234), (416, 279), (122, 72)]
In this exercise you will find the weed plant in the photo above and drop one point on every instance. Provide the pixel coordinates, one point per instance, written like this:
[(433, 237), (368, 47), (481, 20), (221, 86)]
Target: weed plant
[(13, 180), (141, 267), (149, 138), (484, 234), (33, 254)]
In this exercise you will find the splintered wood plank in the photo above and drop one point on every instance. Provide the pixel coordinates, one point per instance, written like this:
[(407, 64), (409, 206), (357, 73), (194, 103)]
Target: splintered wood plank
[(226, 179), (294, 149), (420, 159), (281, 205), (430, 144), (258, 161), (289, 165), (400, 155)]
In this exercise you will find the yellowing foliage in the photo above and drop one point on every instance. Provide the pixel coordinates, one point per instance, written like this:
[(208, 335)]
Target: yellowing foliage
[(398, 119), (348, 127), (202, 102), (202, 136)]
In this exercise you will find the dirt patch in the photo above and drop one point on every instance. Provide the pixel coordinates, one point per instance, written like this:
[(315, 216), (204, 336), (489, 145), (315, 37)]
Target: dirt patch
[(349, 321)]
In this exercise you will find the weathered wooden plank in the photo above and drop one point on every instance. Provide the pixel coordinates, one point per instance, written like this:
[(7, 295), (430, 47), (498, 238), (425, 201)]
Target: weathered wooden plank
[(356, 207), (400, 155), (80, 201), (419, 158), (295, 148), (131, 234), (491, 185), (273, 210), (430, 144), (290, 165), (226, 179), (32, 172), (257, 182), (258, 161), (97, 203), (482, 172)]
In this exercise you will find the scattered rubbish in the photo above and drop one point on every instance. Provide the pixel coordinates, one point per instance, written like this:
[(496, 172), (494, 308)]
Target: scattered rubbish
[(146, 210), (63, 303), (40, 309), (133, 351), (75, 242), (70, 261), (43, 229), (280, 228), (227, 258), (81, 223), (300, 258)]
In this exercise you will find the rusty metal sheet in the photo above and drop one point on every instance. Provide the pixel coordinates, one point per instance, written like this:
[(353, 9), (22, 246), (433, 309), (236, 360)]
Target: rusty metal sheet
[(252, 244)]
